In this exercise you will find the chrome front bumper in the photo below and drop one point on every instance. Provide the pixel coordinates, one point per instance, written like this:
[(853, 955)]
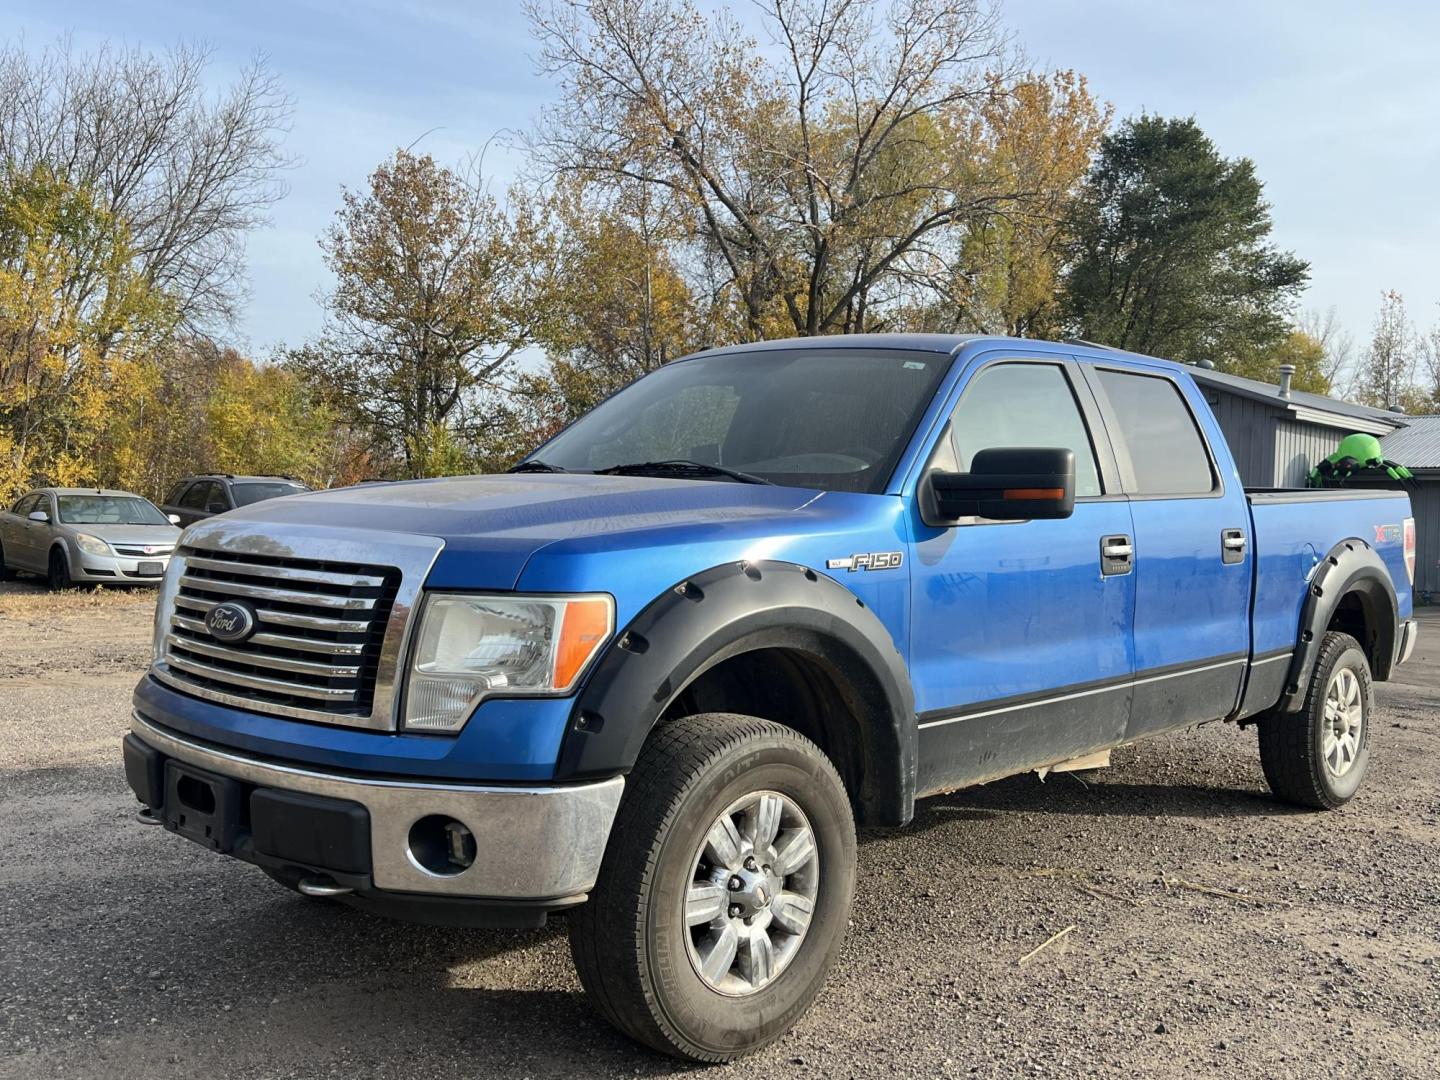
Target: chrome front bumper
[(532, 843)]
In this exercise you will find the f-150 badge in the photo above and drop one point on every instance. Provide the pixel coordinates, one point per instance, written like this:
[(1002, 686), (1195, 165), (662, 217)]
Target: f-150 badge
[(867, 560)]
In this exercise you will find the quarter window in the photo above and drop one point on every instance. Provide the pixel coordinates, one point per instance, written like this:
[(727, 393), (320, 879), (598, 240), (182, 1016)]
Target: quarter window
[(1011, 405), (1167, 453)]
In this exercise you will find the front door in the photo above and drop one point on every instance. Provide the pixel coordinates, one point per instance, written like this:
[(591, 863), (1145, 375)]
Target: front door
[(1021, 632)]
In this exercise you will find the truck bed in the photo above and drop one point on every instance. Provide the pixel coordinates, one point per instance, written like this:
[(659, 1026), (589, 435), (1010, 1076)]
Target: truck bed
[(1292, 533)]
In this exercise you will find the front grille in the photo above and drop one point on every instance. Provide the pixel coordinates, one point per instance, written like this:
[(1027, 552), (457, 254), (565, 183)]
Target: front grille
[(132, 552), (317, 641)]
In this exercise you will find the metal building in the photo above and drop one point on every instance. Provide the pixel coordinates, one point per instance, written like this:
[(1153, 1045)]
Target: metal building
[(1417, 447), (1278, 434)]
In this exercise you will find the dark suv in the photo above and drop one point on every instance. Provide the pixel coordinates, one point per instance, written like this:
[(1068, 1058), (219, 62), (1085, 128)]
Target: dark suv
[(198, 497)]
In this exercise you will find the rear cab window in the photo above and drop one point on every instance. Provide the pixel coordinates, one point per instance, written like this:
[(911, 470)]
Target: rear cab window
[(1168, 455), (253, 491)]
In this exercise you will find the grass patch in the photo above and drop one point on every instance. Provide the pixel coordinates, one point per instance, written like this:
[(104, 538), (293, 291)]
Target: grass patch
[(20, 600)]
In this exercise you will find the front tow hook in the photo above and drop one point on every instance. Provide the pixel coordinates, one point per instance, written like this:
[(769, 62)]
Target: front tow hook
[(147, 816), (322, 887)]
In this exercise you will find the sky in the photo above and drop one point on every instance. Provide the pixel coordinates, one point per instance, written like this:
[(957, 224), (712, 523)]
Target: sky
[(1338, 104)]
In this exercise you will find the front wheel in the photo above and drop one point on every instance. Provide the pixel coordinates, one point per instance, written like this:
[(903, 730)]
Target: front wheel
[(6, 574), (58, 576), (725, 890), (1317, 757)]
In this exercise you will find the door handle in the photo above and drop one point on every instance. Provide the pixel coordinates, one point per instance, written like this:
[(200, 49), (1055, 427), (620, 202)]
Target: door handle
[(1117, 555), (1232, 545)]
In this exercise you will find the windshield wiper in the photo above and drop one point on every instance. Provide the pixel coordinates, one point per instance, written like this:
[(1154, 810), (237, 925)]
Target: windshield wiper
[(681, 467), (535, 465)]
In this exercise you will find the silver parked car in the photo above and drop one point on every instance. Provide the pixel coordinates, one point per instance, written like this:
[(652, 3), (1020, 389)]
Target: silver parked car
[(89, 535)]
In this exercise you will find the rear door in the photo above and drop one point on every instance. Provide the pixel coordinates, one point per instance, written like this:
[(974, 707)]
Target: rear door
[(14, 533), (1021, 631), (1192, 548)]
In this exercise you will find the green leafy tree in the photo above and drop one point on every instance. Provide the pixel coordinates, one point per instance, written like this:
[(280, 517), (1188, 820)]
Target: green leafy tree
[(1171, 253), (1305, 352)]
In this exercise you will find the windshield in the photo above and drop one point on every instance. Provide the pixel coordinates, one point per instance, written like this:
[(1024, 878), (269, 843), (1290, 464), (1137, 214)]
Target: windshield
[(248, 493), (109, 510), (834, 419)]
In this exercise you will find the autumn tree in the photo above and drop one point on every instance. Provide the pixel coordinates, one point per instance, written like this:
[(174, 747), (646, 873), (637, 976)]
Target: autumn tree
[(814, 173), (77, 322), (1002, 270), (1172, 254), (435, 283), (187, 172)]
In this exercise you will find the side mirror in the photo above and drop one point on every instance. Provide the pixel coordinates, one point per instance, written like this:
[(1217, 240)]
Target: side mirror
[(174, 518), (40, 516), (1010, 484), (216, 508)]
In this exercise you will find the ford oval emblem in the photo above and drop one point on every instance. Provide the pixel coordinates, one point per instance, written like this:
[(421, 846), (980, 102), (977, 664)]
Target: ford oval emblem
[(233, 620)]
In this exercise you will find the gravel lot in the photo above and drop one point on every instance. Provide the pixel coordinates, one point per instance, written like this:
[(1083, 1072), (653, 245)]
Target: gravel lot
[(128, 952)]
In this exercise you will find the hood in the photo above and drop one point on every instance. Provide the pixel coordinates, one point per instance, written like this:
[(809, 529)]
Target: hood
[(131, 535), (493, 525)]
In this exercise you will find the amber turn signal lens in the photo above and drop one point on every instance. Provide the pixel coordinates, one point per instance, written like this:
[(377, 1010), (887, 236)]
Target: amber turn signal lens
[(584, 627), (1034, 493)]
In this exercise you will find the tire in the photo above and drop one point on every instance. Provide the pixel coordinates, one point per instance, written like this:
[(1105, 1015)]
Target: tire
[(1307, 758), (6, 574), (639, 958), (58, 577)]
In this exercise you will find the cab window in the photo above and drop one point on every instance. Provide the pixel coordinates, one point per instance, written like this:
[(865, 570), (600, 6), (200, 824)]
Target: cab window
[(194, 498), (1167, 453), (1024, 404)]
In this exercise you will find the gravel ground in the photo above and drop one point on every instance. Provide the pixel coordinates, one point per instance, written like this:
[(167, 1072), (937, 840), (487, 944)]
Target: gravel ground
[(1214, 930)]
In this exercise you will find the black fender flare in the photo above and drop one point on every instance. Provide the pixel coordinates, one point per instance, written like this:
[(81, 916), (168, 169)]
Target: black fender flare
[(736, 608), (1351, 567)]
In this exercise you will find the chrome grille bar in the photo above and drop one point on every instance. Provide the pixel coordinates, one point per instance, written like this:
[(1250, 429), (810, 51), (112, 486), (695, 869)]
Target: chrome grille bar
[(284, 618), (286, 573), (256, 682), (281, 641), (279, 596), (258, 658)]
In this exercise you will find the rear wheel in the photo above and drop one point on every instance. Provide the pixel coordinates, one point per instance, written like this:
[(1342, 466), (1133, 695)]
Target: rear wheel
[(725, 891), (58, 576), (1317, 757)]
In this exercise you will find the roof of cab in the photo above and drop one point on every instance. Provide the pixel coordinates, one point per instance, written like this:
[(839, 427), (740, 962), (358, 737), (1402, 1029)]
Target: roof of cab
[(937, 343)]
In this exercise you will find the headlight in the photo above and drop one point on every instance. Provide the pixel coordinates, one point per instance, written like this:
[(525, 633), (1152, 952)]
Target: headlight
[(471, 647), (92, 545)]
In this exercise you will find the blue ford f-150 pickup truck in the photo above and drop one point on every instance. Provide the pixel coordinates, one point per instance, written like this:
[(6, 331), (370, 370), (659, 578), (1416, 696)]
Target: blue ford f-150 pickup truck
[(658, 674)]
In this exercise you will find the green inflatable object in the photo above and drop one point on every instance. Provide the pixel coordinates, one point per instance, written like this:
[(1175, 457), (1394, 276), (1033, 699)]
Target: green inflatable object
[(1358, 457), (1364, 448)]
